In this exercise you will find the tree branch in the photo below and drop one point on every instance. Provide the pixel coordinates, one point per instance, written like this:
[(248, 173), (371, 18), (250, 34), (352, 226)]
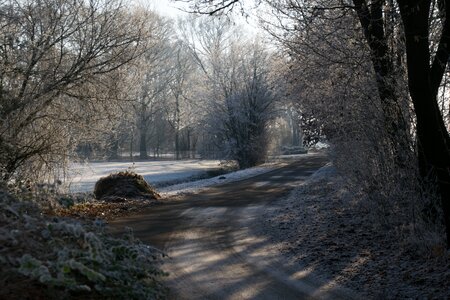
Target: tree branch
[(443, 53)]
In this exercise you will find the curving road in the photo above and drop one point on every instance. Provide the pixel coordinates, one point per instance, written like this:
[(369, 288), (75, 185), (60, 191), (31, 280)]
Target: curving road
[(216, 250)]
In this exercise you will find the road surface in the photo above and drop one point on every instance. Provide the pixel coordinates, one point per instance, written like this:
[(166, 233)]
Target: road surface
[(214, 246)]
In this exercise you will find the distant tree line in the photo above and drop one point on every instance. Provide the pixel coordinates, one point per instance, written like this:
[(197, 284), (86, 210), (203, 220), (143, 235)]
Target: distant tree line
[(102, 80)]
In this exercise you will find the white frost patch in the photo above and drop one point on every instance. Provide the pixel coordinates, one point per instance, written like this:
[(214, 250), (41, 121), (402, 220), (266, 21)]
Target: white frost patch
[(196, 186), (323, 173), (261, 183), (82, 177), (323, 225), (321, 145)]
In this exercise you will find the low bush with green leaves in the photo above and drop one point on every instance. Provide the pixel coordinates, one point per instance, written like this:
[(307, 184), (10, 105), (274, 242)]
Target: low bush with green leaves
[(66, 259)]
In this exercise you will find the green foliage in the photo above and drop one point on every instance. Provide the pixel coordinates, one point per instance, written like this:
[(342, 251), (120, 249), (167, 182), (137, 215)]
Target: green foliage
[(69, 259), (66, 202)]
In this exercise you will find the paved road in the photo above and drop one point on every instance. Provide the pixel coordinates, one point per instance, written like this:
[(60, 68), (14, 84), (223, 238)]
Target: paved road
[(216, 254)]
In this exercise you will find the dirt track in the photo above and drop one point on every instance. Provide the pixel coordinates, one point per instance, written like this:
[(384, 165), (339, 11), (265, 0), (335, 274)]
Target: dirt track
[(214, 252)]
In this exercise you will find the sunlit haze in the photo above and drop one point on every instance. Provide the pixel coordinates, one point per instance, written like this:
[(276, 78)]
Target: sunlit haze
[(174, 9)]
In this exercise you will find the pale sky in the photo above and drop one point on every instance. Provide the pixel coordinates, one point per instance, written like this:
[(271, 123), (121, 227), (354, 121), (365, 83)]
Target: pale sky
[(168, 8), (174, 9)]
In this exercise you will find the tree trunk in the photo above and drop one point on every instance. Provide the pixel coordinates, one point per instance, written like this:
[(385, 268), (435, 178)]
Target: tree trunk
[(373, 23), (177, 127), (188, 144), (113, 149), (131, 144), (177, 144), (432, 135), (143, 145), (295, 134)]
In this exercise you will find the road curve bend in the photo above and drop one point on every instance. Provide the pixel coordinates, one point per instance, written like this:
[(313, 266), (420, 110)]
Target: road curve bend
[(214, 251)]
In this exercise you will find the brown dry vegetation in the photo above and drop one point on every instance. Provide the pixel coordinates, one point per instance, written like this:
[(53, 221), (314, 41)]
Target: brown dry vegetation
[(103, 210), (123, 185)]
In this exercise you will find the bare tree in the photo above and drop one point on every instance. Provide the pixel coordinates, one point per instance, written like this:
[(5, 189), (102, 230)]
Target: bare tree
[(49, 51), (149, 78), (179, 90), (424, 81), (239, 98), (248, 110)]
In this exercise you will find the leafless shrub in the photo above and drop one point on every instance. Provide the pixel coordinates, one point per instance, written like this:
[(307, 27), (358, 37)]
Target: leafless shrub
[(55, 58)]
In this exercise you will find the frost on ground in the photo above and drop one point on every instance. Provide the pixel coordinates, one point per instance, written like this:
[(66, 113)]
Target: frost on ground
[(169, 177), (196, 186), (82, 177), (322, 226)]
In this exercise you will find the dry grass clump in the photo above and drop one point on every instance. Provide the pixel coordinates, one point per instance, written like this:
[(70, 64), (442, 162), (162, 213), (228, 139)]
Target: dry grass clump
[(123, 185)]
